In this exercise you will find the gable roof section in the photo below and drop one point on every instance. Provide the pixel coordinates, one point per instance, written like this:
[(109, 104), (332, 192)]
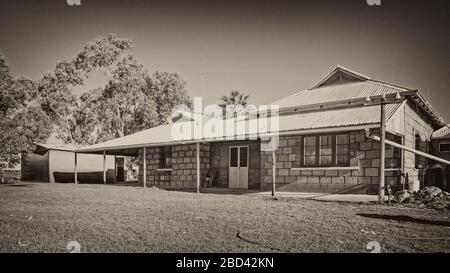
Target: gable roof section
[(329, 95), (342, 73), (56, 146), (444, 132), (42, 148), (338, 93)]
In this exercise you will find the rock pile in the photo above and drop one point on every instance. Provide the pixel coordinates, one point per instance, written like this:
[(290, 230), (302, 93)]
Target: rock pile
[(429, 196)]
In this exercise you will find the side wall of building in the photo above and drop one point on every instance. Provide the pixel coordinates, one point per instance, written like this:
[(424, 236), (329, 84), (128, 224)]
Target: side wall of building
[(416, 122), (34, 167)]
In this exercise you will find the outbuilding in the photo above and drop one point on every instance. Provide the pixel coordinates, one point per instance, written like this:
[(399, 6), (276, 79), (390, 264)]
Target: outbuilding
[(56, 163)]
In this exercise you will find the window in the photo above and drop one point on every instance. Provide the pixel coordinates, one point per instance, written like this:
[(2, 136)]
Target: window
[(326, 150), (165, 159), (243, 157), (342, 150), (234, 157), (309, 151), (444, 147)]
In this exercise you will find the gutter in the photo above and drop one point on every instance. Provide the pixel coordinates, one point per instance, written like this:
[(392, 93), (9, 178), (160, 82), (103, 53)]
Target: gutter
[(432, 157)]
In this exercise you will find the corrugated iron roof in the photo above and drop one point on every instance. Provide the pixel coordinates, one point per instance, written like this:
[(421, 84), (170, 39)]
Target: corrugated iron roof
[(344, 117), (56, 146), (311, 109), (336, 117), (337, 93), (444, 132)]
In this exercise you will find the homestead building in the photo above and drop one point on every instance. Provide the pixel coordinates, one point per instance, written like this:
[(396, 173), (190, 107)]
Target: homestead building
[(327, 143)]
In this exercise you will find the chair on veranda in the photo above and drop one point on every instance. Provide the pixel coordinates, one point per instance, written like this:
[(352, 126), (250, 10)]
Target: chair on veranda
[(210, 177)]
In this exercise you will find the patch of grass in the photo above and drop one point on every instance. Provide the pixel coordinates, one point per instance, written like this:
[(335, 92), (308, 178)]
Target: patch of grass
[(132, 219)]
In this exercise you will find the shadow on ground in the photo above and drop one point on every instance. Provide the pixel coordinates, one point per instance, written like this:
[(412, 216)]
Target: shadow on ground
[(405, 218), (16, 185)]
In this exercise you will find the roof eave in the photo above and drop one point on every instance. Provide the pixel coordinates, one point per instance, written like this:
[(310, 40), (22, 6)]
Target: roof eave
[(284, 132)]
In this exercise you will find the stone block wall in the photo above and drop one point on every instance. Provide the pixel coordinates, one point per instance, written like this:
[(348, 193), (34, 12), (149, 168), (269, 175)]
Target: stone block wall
[(152, 162), (183, 173), (416, 122), (184, 165), (363, 177)]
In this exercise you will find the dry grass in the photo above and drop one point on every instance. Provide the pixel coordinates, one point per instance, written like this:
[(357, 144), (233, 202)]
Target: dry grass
[(131, 219)]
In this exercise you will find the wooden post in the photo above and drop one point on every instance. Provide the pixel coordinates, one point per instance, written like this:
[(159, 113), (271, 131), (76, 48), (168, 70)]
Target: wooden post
[(198, 167), (273, 172), (115, 168), (75, 169), (104, 167), (382, 150), (144, 167), (51, 178)]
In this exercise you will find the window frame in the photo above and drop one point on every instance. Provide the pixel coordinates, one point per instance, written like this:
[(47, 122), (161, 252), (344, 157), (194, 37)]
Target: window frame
[(163, 157), (333, 150), (446, 143), (347, 163), (334, 154), (316, 158)]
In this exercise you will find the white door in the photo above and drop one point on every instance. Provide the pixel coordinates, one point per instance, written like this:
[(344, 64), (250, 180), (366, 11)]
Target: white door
[(238, 173)]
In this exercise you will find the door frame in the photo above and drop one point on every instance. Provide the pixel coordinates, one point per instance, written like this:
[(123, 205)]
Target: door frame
[(238, 161)]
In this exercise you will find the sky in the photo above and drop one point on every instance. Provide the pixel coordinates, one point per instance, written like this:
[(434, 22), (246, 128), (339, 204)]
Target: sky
[(267, 49)]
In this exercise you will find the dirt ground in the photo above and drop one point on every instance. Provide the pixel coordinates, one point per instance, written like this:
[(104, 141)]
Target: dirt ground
[(46, 217)]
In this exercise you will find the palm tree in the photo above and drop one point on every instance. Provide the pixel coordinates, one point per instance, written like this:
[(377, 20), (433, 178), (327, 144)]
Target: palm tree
[(235, 99)]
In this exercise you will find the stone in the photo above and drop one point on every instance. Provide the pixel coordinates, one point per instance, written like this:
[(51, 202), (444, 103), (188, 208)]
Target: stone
[(325, 180), (371, 171), (302, 179), (338, 179), (365, 146), (313, 180), (372, 154), (331, 173), (360, 138)]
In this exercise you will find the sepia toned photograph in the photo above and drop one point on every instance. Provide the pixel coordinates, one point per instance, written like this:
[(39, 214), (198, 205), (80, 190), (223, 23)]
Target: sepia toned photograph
[(242, 128)]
